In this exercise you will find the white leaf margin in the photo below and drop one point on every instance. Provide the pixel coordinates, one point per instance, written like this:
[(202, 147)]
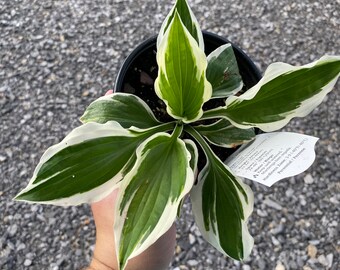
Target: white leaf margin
[(274, 70), (170, 213), (194, 20), (78, 135)]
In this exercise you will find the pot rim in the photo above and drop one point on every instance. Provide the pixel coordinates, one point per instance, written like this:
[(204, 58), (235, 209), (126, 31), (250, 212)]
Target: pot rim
[(246, 65)]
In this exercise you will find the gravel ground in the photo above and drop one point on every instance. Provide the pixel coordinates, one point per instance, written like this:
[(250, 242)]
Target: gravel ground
[(58, 56)]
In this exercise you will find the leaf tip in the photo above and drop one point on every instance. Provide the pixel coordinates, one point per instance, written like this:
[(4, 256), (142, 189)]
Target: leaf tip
[(82, 119), (19, 197)]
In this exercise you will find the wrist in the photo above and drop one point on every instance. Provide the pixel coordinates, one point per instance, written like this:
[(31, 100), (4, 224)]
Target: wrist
[(96, 264), (157, 257)]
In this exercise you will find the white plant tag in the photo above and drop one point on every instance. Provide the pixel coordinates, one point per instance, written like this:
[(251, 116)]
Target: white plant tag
[(273, 156)]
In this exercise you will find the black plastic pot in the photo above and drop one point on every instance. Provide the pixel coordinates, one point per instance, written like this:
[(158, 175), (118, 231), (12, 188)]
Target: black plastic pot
[(139, 71), (249, 72)]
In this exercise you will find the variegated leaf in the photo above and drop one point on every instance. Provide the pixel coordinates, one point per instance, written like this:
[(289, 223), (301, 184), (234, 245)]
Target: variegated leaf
[(284, 92), (152, 192), (84, 167), (221, 205), (192, 148), (223, 73), (189, 20), (223, 134), (181, 81), (128, 110)]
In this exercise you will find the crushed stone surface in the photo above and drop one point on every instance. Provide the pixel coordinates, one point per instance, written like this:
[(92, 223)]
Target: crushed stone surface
[(56, 57)]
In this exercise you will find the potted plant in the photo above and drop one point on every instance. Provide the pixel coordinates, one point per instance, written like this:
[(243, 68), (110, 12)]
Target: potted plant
[(153, 160)]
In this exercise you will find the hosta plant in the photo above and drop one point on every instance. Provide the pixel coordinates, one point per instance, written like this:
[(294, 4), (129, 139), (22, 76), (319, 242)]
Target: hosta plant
[(121, 144)]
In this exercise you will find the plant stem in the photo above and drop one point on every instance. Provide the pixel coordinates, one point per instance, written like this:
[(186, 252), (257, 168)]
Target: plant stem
[(178, 131), (160, 128), (193, 132), (214, 113)]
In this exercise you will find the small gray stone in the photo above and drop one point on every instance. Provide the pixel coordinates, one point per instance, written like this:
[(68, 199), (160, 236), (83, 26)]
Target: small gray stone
[(278, 230), (308, 179), (280, 266), (79, 252), (270, 203), (330, 257), (323, 260), (27, 262), (192, 262), (314, 242), (30, 256), (289, 192), (275, 241), (306, 267), (2, 158), (12, 230), (54, 267), (261, 213), (246, 267), (21, 246), (192, 239), (4, 253), (262, 264), (334, 200)]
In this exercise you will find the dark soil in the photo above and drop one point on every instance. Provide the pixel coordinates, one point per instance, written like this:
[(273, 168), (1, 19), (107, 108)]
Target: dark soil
[(139, 80)]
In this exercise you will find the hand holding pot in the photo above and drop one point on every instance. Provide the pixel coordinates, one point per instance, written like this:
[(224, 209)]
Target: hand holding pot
[(156, 257)]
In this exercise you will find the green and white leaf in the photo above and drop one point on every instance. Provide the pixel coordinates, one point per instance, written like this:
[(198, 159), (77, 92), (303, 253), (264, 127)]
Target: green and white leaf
[(153, 190), (284, 92), (221, 205), (192, 148), (84, 167), (189, 20), (181, 81), (223, 134), (128, 110), (223, 72)]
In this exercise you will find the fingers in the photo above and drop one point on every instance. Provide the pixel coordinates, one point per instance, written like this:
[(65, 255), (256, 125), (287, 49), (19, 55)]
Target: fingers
[(108, 201), (109, 92)]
